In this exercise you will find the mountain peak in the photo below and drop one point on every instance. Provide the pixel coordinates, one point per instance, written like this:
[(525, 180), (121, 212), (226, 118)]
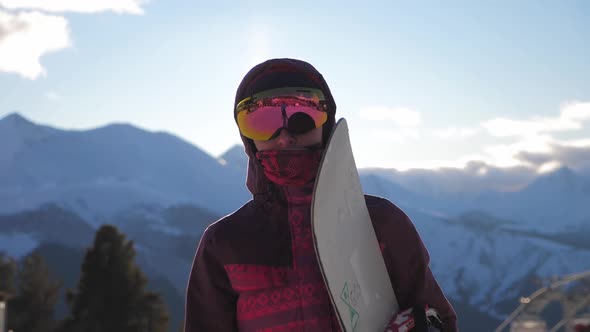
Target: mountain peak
[(563, 179), (16, 131), (15, 119), (237, 149), (236, 152), (234, 156), (563, 173)]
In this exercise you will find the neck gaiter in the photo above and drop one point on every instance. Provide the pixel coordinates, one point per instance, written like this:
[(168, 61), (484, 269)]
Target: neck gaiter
[(294, 171)]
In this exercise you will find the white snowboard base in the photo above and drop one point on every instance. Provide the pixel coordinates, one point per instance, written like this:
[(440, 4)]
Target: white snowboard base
[(345, 242)]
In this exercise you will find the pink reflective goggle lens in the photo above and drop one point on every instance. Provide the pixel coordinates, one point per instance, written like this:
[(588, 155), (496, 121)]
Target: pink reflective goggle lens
[(263, 118)]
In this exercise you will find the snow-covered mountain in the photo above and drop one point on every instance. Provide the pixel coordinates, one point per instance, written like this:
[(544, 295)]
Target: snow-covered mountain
[(162, 235), (24, 231), (101, 171), (480, 260), (554, 202)]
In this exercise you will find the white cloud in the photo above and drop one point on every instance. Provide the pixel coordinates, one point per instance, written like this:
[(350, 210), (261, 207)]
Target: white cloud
[(574, 154), (531, 144), (549, 167), (28, 31), (571, 117), (506, 155), (534, 137), (402, 116), (579, 143), (79, 6), (25, 37), (541, 153), (576, 111)]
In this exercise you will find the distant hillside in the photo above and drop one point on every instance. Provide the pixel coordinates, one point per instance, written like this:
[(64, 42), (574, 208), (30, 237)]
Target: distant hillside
[(101, 171), (24, 231)]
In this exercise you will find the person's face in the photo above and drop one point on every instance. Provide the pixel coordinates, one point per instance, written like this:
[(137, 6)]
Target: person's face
[(286, 140)]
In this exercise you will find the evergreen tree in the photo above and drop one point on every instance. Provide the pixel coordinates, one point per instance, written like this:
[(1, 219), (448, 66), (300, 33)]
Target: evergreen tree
[(33, 306), (7, 274), (111, 293)]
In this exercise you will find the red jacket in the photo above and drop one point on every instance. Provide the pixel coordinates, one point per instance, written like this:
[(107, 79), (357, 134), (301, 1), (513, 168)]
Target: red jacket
[(243, 272), (256, 269)]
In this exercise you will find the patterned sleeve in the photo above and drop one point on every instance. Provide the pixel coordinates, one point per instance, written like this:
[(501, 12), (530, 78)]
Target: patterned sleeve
[(210, 300)]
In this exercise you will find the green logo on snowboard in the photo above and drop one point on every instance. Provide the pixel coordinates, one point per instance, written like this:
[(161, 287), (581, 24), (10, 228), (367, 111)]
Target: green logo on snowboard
[(349, 298)]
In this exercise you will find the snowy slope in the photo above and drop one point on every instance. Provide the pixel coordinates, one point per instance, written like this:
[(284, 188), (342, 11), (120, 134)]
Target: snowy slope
[(22, 232), (17, 244), (165, 238), (479, 260), (553, 202)]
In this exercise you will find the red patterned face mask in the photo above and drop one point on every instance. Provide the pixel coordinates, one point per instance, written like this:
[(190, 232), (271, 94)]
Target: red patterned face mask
[(290, 167)]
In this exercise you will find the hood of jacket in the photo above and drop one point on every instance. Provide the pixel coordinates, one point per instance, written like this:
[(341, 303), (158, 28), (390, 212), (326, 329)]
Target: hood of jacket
[(279, 73)]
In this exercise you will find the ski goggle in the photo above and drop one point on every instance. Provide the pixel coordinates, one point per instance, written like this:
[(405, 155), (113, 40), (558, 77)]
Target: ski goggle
[(263, 115)]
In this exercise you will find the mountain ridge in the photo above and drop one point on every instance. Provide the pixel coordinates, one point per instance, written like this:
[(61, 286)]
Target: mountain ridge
[(102, 170)]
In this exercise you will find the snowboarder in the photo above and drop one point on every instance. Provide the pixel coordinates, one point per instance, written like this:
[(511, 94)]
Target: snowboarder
[(256, 269)]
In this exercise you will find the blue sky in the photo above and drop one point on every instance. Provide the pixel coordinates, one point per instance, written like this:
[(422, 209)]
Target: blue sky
[(421, 83)]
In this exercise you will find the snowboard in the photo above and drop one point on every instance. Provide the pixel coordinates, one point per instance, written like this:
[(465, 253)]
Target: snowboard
[(345, 242)]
